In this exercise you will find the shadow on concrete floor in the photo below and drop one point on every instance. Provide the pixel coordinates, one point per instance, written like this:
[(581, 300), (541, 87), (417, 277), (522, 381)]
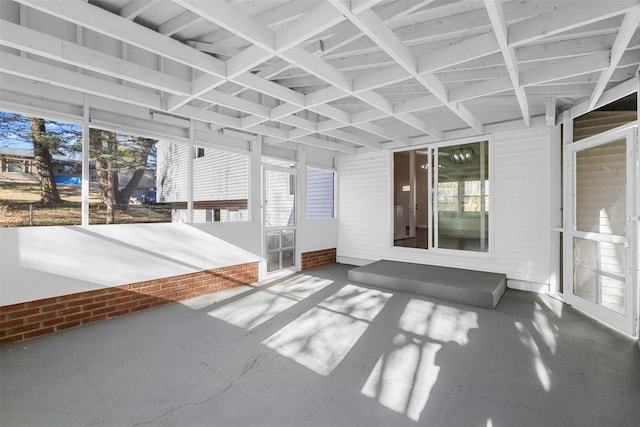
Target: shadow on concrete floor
[(314, 349)]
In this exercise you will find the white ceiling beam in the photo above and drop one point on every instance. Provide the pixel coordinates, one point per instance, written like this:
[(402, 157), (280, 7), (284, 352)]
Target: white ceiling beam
[(179, 23), (215, 49), (565, 69), (385, 133), (550, 110), (327, 145), (566, 18), (316, 66), (239, 23), (627, 30), (312, 23), (300, 122), (480, 89), (355, 139), (236, 103), (461, 52), (319, 68), (28, 68), (271, 131), (499, 24), (383, 77), (417, 104), (370, 24), (621, 90), (565, 48), (272, 89), (330, 124), (28, 40), (276, 16), (135, 8), (99, 20), (246, 60), (367, 116), (229, 17)]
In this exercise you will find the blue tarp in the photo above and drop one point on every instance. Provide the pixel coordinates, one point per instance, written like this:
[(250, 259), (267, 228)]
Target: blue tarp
[(68, 180)]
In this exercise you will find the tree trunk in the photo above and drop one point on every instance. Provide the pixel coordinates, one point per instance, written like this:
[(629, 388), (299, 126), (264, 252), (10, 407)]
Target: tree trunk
[(42, 153), (103, 146), (146, 145), (125, 194)]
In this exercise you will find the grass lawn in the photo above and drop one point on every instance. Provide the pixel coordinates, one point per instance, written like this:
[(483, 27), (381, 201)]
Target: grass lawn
[(20, 206)]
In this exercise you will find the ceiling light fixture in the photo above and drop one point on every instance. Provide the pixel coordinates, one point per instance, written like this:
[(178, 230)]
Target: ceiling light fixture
[(461, 155)]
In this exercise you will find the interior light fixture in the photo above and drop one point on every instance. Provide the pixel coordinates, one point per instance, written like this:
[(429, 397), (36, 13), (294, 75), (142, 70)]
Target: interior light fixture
[(461, 155)]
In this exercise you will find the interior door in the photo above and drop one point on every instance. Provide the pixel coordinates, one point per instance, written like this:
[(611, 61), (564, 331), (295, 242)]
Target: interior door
[(599, 245), (279, 218)]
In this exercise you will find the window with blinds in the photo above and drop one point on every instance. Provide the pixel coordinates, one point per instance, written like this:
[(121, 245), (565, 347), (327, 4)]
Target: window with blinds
[(320, 193)]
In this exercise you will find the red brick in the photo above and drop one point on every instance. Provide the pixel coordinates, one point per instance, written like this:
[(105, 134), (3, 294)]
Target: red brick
[(70, 310), (67, 325), (23, 329), (8, 324), (40, 317), (80, 302), (53, 322), (5, 310), (93, 306), (22, 313), (104, 310), (39, 332), (53, 307), (77, 316), (80, 295), (41, 302)]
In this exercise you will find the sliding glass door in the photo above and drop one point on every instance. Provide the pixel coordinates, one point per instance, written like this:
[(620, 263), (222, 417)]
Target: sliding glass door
[(441, 197)]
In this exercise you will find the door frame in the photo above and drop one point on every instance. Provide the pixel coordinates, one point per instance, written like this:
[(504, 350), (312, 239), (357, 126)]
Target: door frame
[(265, 229), (627, 323)]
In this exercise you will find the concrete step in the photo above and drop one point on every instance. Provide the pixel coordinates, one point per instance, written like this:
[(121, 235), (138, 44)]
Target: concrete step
[(471, 287)]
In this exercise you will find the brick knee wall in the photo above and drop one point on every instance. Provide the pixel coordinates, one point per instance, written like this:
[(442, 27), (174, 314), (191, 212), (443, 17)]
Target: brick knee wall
[(318, 258), (19, 322)]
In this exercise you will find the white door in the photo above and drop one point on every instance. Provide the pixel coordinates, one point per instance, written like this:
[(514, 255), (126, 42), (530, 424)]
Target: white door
[(279, 218), (600, 273)]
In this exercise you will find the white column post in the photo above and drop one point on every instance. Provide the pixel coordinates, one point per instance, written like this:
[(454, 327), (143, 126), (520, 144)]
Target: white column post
[(192, 138), (86, 176), (301, 201), (567, 204)]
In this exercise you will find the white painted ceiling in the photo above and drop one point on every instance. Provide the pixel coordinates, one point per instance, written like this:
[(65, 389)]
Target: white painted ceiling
[(340, 75)]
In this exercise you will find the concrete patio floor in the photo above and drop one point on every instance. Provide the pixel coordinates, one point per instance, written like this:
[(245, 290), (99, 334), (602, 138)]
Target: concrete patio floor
[(317, 350)]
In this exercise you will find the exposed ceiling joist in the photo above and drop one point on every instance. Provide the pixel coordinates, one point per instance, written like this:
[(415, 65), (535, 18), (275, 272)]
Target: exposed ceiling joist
[(627, 30), (499, 24)]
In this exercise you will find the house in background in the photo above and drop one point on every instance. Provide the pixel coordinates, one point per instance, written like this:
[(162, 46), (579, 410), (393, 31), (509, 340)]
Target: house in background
[(498, 136)]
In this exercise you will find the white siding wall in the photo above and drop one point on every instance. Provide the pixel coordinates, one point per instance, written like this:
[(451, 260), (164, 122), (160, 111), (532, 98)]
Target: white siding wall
[(520, 191), (172, 172), (220, 175)]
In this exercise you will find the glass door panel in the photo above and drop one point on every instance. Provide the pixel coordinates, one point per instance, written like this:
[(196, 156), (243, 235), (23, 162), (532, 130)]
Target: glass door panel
[(600, 268), (462, 201), (279, 219)]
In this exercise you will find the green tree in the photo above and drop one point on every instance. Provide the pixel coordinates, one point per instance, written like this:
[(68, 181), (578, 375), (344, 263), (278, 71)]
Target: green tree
[(114, 153), (47, 138), (43, 145)]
